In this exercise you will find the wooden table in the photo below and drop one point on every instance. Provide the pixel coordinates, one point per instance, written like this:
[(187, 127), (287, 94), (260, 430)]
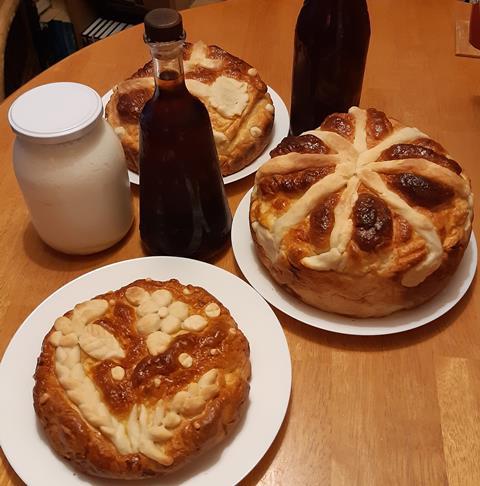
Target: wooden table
[(393, 410)]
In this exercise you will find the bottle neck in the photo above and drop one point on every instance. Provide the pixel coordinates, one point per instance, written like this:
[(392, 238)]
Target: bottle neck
[(167, 60)]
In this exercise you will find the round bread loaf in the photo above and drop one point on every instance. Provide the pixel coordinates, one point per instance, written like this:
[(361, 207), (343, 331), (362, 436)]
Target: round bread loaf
[(362, 216), (137, 382), (240, 108)]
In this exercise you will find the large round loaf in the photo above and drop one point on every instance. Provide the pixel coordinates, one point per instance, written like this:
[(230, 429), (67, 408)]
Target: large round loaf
[(362, 216), (138, 381), (241, 110)]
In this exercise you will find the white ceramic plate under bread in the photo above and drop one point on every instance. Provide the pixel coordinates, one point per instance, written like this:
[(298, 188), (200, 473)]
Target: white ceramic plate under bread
[(21, 436), (260, 279)]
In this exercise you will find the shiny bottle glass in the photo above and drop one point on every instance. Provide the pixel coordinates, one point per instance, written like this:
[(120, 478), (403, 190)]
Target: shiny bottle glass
[(331, 44), (183, 208)]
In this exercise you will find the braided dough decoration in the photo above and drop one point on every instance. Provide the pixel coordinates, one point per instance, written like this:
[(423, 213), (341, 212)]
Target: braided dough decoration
[(136, 382), (241, 111), (362, 216)]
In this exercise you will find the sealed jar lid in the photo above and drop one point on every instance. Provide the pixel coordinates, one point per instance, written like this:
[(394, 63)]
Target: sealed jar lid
[(55, 113)]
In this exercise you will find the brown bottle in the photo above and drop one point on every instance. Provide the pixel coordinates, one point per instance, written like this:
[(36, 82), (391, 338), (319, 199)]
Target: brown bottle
[(331, 44), (474, 35), (183, 209)]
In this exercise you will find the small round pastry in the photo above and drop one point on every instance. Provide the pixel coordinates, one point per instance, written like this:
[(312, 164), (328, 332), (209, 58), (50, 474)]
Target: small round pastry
[(136, 382), (362, 216), (241, 111)]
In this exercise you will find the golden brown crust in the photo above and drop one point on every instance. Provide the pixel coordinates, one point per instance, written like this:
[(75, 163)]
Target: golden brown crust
[(160, 383), (240, 137), (370, 218), (357, 295)]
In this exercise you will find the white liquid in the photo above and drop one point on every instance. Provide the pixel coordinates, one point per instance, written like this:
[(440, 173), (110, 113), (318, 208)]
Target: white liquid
[(77, 192)]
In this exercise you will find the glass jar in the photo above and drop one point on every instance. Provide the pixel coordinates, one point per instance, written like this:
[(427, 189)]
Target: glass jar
[(71, 168)]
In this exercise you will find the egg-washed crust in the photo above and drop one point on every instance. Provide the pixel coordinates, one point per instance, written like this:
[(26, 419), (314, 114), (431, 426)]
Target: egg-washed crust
[(240, 138), (362, 216), (219, 346)]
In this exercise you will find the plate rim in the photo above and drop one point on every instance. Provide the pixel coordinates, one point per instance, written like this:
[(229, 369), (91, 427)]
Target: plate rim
[(280, 107), (353, 326), (284, 390)]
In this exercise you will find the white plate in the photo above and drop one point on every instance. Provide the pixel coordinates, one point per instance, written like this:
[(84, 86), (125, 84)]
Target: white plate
[(22, 441), (280, 129), (259, 278)]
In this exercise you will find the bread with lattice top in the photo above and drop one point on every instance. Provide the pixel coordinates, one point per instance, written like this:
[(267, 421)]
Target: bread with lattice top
[(362, 216), (135, 383), (241, 111)]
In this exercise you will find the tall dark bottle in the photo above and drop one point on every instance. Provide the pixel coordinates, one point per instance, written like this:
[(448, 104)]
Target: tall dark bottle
[(331, 44), (183, 208)]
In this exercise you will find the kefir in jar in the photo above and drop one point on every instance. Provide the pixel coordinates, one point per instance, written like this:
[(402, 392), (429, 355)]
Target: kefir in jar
[(71, 168)]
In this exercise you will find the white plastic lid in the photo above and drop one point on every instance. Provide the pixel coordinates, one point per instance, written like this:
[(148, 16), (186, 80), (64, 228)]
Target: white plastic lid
[(55, 112)]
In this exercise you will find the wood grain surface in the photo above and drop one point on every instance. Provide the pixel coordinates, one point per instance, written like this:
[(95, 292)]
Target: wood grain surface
[(393, 410)]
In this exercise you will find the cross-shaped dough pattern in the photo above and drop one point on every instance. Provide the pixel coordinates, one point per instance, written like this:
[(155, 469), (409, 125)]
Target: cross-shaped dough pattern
[(356, 150)]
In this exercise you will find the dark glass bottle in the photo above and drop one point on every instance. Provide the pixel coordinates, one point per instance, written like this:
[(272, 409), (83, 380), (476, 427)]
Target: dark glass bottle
[(331, 44), (474, 35), (183, 208)]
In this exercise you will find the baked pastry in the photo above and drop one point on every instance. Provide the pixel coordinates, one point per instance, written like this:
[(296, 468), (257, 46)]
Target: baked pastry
[(241, 111), (362, 216), (136, 382)]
